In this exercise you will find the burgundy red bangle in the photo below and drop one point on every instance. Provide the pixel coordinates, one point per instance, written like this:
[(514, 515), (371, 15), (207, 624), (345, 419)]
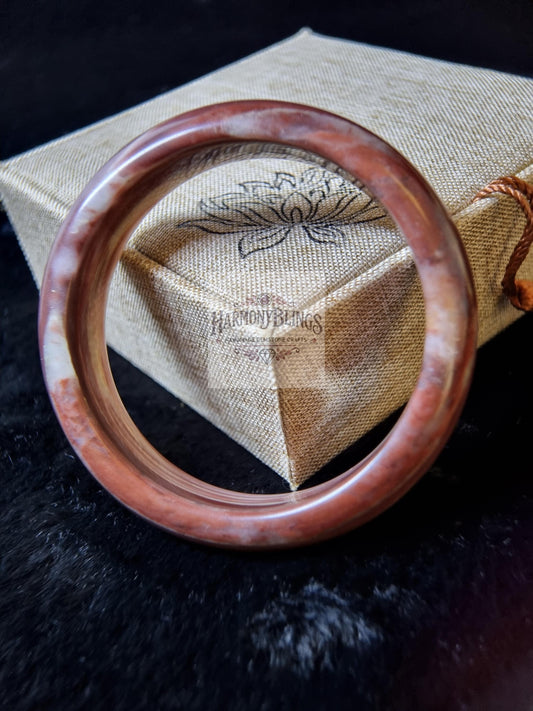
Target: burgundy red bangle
[(74, 355)]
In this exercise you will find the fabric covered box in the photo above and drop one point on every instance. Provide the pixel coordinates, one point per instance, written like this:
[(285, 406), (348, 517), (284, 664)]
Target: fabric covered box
[(276, 297)]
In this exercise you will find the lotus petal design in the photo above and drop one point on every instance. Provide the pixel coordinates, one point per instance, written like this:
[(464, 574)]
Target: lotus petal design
[(314, 205)]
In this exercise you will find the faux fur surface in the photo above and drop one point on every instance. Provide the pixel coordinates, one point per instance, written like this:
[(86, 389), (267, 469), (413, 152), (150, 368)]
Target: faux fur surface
[(429, 607)]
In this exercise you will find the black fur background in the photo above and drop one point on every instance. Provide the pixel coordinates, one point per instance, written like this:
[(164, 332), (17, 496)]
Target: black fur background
[(428, 607)]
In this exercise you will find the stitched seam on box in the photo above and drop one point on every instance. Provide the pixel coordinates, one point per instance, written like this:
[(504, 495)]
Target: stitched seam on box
[(424, 57)]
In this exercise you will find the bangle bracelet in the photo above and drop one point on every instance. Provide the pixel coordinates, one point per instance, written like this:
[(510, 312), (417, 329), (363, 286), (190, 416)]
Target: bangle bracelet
[(74, 355)]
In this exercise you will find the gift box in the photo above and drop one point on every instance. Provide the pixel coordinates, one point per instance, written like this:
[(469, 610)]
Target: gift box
[(273, 294)]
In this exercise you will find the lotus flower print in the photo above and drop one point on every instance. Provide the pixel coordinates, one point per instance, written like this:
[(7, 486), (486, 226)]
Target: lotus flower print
[(314, 205)]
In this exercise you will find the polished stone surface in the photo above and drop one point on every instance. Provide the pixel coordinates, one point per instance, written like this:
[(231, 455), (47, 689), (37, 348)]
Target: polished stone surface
[(75, 360)]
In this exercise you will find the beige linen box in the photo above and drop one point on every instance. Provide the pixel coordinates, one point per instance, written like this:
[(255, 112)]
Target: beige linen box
[(273, 295)]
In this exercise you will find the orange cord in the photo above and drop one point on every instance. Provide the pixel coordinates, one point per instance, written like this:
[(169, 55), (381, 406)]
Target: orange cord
[(518, 291)]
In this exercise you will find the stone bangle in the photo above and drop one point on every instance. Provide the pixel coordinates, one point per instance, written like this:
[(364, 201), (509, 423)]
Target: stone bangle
[(74, 355)]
